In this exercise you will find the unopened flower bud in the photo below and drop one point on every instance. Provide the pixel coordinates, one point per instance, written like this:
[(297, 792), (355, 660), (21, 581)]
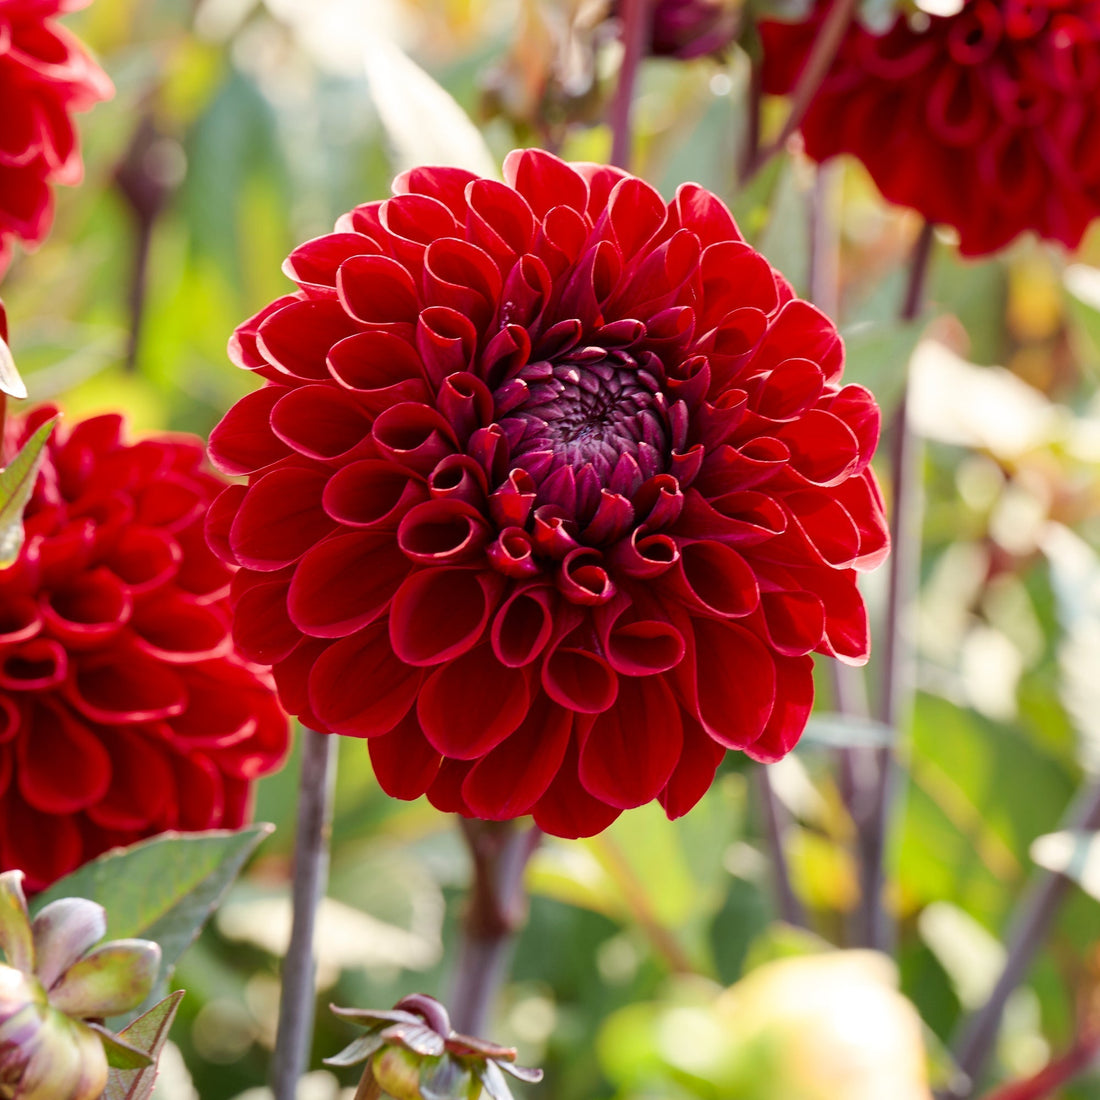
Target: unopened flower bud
[(415, 1054), (55, 991), (397, 1072)]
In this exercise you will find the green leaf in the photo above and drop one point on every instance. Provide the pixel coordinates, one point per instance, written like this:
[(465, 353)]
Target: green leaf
[(16, 484), (163, 889), (148, 1034), (10, 382), (841, 731)]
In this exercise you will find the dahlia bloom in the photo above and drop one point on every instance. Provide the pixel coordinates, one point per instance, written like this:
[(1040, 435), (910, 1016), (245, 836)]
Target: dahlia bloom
[(552, 491), (985, 120), (45, 75), (123, 708)]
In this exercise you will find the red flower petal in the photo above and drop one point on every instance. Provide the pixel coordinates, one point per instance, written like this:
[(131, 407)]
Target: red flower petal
[(339, 675), (629, 752), (344, 583), (508, 780), (463, 720), (439, 614), (404, 762)]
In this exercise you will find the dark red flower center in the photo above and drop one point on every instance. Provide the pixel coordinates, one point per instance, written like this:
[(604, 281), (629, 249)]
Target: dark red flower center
[(586, 411)]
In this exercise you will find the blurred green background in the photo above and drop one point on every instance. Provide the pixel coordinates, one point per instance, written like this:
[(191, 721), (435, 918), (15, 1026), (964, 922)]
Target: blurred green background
[(240, 128)]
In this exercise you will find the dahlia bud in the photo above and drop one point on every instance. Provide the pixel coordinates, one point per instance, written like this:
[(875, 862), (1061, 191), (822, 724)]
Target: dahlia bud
[(55, 987), (687, 29), (415, 1054)]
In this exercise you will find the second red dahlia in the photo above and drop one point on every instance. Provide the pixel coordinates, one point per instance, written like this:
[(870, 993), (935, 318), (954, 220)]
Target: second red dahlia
[(552, 492), (124, 710), (45, 75), (984, 120)]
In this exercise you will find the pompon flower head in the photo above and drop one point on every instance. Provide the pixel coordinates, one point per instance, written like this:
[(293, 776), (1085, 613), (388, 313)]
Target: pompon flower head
[(124, 710), (45, 75), (984, 120), (552, 492)]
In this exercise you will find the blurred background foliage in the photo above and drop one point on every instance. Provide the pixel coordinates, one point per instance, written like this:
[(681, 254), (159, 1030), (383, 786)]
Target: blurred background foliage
[(240, 128)]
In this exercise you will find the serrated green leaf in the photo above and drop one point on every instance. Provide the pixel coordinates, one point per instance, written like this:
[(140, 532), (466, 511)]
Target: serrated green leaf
[(841, 731), (147, 1033), (16, 485), (163, 889), (10, 382)]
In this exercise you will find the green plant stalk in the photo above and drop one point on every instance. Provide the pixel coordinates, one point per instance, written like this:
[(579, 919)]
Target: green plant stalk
[(311, 859)]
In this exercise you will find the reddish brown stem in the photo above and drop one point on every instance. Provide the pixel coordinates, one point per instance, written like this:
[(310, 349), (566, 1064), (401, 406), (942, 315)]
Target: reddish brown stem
[(496, 909), (1053, 1075), (820, 60)]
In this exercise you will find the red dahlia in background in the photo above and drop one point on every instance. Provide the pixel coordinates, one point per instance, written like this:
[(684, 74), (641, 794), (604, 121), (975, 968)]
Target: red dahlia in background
[(123, 708), (552, 492), (985, 120), (45, 75)]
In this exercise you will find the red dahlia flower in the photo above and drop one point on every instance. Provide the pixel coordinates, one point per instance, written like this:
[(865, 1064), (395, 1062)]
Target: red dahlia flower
[(45, 75), (123, 708), (552, 492), (985, 120)]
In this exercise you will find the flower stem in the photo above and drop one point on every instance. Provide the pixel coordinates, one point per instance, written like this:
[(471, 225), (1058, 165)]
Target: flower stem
[(876, 928), (637, 19), (497, 907), (1030, 924), (1053, 1075), (820, 60), (311, 857), (775, 822)]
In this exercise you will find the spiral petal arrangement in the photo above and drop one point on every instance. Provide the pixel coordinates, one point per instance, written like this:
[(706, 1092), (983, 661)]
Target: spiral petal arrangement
[(552, 491)]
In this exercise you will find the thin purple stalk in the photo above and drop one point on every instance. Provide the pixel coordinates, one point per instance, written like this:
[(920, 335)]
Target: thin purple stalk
[(637, 22), (311, 858), (496, 908), (776, 820), (824, 275), (820, 60), (1028, 929), (876, 927)]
